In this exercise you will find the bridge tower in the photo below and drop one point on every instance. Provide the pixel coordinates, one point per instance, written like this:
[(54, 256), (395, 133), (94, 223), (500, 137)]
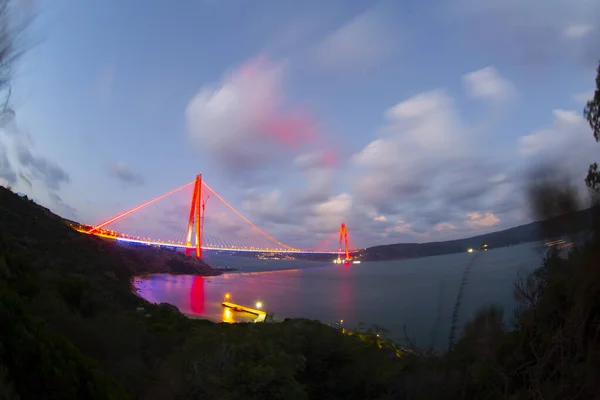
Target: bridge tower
[(196, 220), (344, 241)]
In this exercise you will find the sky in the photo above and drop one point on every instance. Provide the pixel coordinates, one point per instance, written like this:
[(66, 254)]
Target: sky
[(411, 121)]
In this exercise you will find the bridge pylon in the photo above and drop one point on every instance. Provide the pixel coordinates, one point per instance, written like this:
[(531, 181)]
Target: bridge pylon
[(344, 242), (196, 220)]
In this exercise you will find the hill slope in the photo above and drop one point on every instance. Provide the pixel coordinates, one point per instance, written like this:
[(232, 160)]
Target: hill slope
[(25, 223), (577, 222), (71, 329)]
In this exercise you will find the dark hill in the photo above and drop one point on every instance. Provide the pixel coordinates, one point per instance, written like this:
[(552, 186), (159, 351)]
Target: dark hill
[(23, 223), (576, 222), (71, 328)]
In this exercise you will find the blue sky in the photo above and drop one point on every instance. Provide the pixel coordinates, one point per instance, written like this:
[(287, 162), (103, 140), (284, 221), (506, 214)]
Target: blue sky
[(432, 110)]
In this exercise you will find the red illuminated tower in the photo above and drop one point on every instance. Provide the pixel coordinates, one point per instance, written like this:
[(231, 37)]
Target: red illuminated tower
[(344, 241), (196, 220)]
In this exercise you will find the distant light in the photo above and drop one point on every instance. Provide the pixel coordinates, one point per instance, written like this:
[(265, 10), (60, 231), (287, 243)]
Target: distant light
[(470, 251), (258, 305), (341, 321), (227, 296)]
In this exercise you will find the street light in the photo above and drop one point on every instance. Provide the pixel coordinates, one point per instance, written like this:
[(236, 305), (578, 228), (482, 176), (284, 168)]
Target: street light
[(258, 305)]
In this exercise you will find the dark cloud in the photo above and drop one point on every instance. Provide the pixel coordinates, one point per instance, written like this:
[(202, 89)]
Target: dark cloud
[(24, 179), (536, 32), (268, 208), (7, 172), (30, 166), (62, 208), (38, 167), (125, 175)]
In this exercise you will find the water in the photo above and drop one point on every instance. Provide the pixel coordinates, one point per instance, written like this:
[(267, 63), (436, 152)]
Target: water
[(418, 294)]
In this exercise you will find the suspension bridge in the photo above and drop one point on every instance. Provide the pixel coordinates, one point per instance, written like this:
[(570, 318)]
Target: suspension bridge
[(179, 219)]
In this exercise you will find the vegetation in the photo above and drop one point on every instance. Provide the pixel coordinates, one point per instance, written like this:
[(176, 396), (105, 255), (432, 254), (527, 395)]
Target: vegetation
[(592, 113)]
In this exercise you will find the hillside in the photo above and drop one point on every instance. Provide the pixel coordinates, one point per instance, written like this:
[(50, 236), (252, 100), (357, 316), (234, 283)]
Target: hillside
[(70, 320), (25, 223), (72, 329), (577, 222)]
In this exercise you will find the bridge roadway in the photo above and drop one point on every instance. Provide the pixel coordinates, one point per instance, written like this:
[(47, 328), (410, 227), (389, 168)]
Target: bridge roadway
[(184, 246)]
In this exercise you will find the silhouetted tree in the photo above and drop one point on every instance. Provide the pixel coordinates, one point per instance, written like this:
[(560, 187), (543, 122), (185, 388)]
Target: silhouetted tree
[(12, 47), (551, 194), (592, 114)]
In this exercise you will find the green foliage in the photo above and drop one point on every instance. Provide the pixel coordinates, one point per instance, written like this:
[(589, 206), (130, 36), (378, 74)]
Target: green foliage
[(29, 349), (592, 109), (592, 179), (73, 291), (591, 112)]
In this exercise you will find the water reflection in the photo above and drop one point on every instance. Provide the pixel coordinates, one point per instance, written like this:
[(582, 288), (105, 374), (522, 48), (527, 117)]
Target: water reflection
[(194, 296), (227, 315), (343, 294), (393, 294), (197, 296)]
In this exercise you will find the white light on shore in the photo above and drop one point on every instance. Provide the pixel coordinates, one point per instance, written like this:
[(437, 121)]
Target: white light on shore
[(259, 305)]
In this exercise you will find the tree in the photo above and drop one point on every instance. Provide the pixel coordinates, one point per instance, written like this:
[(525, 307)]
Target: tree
[(12, 48), (592, 113)]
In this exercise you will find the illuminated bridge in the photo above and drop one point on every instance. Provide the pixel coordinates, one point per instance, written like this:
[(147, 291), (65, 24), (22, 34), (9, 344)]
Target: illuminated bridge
[(179, 219)]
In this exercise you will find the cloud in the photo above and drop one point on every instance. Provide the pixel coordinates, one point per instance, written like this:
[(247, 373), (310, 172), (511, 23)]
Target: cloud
[(27, 167), (444, 226), (422, 179), (421, 134), (482, 220), (266, 207), (316, 160), (61, 207), (125, 175), (38, 167), (488, 84), (8, 175), (330, 213), (248, 127), (584, 97), (535, 32), (358, 45), (568, 141), (242, 122), (578, 31)]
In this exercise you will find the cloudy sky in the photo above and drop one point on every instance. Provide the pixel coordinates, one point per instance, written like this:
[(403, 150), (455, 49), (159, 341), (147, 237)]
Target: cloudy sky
[(409, 120)]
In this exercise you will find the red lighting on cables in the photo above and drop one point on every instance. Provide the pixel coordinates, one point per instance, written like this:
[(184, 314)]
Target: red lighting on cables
[(139, 207), (246, 219), (257, 240)]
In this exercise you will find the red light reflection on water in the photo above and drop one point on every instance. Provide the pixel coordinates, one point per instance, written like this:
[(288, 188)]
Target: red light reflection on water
[(345, 293), (197, 298)]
